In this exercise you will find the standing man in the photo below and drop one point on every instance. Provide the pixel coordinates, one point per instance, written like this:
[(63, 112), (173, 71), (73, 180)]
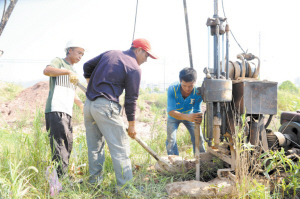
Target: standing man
[(108, 75), (60, 102), (184, 106)]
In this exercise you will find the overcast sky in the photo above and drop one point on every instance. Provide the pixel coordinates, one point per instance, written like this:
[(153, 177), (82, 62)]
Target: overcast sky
[(38, 30)]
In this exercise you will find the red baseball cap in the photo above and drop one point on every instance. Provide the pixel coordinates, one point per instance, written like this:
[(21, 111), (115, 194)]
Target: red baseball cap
[(145, 45)]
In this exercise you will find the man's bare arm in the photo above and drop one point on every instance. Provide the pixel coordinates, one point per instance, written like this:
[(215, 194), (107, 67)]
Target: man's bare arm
[(53, 72), (193, 117)]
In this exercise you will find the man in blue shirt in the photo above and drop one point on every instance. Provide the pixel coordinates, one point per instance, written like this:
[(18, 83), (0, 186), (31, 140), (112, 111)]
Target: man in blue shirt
[(184, 106)]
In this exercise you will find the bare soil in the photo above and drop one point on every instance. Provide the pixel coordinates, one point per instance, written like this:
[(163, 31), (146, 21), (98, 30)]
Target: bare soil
[(25, 104)]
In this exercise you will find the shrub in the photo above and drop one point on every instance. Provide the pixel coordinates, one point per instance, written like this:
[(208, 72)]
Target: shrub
[(289, 86)]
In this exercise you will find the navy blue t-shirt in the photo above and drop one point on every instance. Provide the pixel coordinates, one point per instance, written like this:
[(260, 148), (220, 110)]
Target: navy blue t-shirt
[(110, 73)]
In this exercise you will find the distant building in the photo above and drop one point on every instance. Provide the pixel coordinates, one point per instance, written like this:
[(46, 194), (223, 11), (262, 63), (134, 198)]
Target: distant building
[(297, 81), (143, 85)]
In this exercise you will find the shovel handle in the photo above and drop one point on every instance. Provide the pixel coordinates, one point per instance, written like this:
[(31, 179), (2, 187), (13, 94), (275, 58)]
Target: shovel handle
[(81, 87), (147, 148)]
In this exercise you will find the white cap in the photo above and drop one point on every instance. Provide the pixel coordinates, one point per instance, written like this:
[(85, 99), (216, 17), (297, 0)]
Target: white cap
[(75, 43)]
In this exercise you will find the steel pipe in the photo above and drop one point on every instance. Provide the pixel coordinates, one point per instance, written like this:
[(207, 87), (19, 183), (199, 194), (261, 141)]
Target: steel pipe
[(223, 63), (210, 122), (188, 33), (208, 40), (217, 50), (197, 151), (227, 51)]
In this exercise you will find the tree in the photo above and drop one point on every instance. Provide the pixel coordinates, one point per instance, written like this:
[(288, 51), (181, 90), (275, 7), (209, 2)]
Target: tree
[(288, 86), (156, 89), (148, 90)]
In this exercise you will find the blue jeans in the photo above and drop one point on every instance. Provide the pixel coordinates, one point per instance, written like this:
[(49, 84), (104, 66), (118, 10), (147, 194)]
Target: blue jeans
[(171, 144), (103, 123)]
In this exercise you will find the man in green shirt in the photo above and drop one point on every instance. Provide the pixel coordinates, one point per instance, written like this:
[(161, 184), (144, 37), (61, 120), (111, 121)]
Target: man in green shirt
[(60, 102)]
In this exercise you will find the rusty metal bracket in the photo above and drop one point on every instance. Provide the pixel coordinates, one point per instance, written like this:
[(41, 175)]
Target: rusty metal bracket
[(214, 22)]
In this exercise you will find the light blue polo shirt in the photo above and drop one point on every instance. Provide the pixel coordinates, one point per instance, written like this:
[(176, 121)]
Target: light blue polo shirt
[(191, 104)]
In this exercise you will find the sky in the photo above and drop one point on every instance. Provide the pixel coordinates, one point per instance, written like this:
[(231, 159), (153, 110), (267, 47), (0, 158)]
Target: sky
[(38, 30)]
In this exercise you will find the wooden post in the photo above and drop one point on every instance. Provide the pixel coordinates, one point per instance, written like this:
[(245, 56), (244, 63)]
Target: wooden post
[(197, 151)]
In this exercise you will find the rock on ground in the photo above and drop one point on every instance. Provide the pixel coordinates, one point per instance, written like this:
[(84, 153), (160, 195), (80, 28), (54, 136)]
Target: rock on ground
[(178, 164), (215, 188)]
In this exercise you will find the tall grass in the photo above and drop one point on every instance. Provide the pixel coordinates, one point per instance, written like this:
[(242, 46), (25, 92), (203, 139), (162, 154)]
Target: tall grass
[(24, 157)]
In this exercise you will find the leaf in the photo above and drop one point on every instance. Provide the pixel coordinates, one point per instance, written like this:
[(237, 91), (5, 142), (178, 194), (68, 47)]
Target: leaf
[(263, 155), (33, 168)]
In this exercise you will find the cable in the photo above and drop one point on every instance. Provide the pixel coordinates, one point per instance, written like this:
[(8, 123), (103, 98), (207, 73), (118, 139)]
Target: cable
[(291, 141), (230, 30), (137, 2)]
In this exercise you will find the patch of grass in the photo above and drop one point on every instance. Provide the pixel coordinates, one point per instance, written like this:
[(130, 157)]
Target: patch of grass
[(77, 116), (145, 119), (141, 105), (9, 91), (288, 101)]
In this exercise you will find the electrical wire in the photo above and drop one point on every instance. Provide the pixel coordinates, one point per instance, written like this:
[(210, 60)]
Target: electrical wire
[(291, 140), (231, 31), (137, 2)]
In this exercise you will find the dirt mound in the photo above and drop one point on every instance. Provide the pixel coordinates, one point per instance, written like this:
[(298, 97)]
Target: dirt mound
[(25, 104), (23, 107)]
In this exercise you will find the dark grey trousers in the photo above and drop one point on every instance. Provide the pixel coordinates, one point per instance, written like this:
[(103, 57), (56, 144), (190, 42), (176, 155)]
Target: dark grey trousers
[(61, 139)]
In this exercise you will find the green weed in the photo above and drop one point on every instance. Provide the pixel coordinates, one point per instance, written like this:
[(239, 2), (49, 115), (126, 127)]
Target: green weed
[(9, 91)]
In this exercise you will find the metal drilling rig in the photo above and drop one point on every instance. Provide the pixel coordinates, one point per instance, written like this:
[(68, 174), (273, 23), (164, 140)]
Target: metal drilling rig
[(231, 89)]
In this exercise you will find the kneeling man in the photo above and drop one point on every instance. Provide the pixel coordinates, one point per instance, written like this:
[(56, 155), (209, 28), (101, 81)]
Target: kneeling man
[(184, 106)]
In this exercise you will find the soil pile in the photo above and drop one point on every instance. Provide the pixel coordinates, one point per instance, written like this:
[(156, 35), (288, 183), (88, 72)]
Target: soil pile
[(25, 104)]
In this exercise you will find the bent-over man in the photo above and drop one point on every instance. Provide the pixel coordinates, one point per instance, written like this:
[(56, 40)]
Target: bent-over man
[(184, 106), (108, 75)]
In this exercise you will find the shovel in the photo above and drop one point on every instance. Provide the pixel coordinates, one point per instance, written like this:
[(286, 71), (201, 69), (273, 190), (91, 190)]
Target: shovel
[(162, 163)]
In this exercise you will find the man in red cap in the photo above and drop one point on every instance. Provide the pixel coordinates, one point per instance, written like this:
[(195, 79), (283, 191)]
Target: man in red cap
[(108, 75)]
